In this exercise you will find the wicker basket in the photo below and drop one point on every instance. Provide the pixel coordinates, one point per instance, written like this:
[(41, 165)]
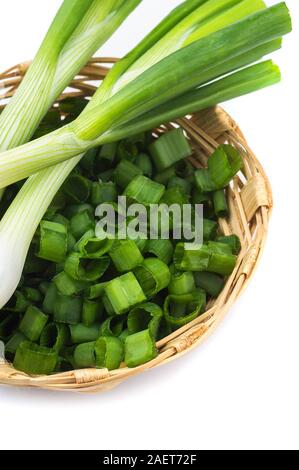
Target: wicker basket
[(250, 202)]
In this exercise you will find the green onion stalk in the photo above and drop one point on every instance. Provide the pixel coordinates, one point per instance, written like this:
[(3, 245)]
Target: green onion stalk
[(78, 30), (154, 94)]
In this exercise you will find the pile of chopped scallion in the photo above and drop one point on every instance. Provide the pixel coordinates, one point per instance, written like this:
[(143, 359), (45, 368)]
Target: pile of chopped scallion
[(89, 301), (70, 296)]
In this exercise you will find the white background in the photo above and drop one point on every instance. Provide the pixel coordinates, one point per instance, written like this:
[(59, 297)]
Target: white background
[(240, 389)]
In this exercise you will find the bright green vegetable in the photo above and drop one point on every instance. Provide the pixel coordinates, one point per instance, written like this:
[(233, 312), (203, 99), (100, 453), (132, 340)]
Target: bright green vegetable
[(84, 269), (145, 316), (84, 334), (162, 249), (169, 149), (109, 352), (220, 203), (181, 283), (125, 172), (139, 348), (181, 309), (144, 191), (33, 323), (66, 285), (67, 309), (153, 276), (92, 247), (124, 292), (191, 258), (55, 336), (210, 282), (34, 359), (52, 242), (125, 255), (84, 355), (91, 312)]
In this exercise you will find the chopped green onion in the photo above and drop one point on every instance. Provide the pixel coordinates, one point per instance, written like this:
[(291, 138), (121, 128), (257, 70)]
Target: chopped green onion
[(174, 195), (169, 149), (96, 291), (220, 203), (103, 192), (77, 189), (153, 276), (125, 172), (84, 334), (210, 282), (124, 292), (144, 163), (112, 326), (91, 312), (13, 343), (165, 176), (107, 155), (67, 309), (125, 255), (75, 209), (209, 229), (81, 223), (123, 335), (182, 309), (141, 243), (139, 348), (144, 191), (222, 248), (92, 247), (84, 355), (177, 181), (52, 242), (203, 181), (18, 303), (145, 316), (162, 249), (60, 219), (84, 269), (31, 294), (109, 352), (33, 323), (66, 285), (221, 261), (190, 258), (223, 165), (233, 241), (181, 283), (198, 197), (55, 336), (50, 299), (34, 359)]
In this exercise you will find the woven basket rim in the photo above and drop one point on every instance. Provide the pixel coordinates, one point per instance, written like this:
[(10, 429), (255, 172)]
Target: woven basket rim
[(250, 200)]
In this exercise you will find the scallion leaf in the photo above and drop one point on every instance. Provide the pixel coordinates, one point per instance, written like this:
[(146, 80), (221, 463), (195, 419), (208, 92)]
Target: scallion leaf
[(34, 359), (210, 282), (52, 242), (139, 348), (84, 334), (109, 352), (83, 269), (144, 191), (67, 309), (125, 255), (181, 283), (33, 323), (124, 292), (169, 149), (153, 276)]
